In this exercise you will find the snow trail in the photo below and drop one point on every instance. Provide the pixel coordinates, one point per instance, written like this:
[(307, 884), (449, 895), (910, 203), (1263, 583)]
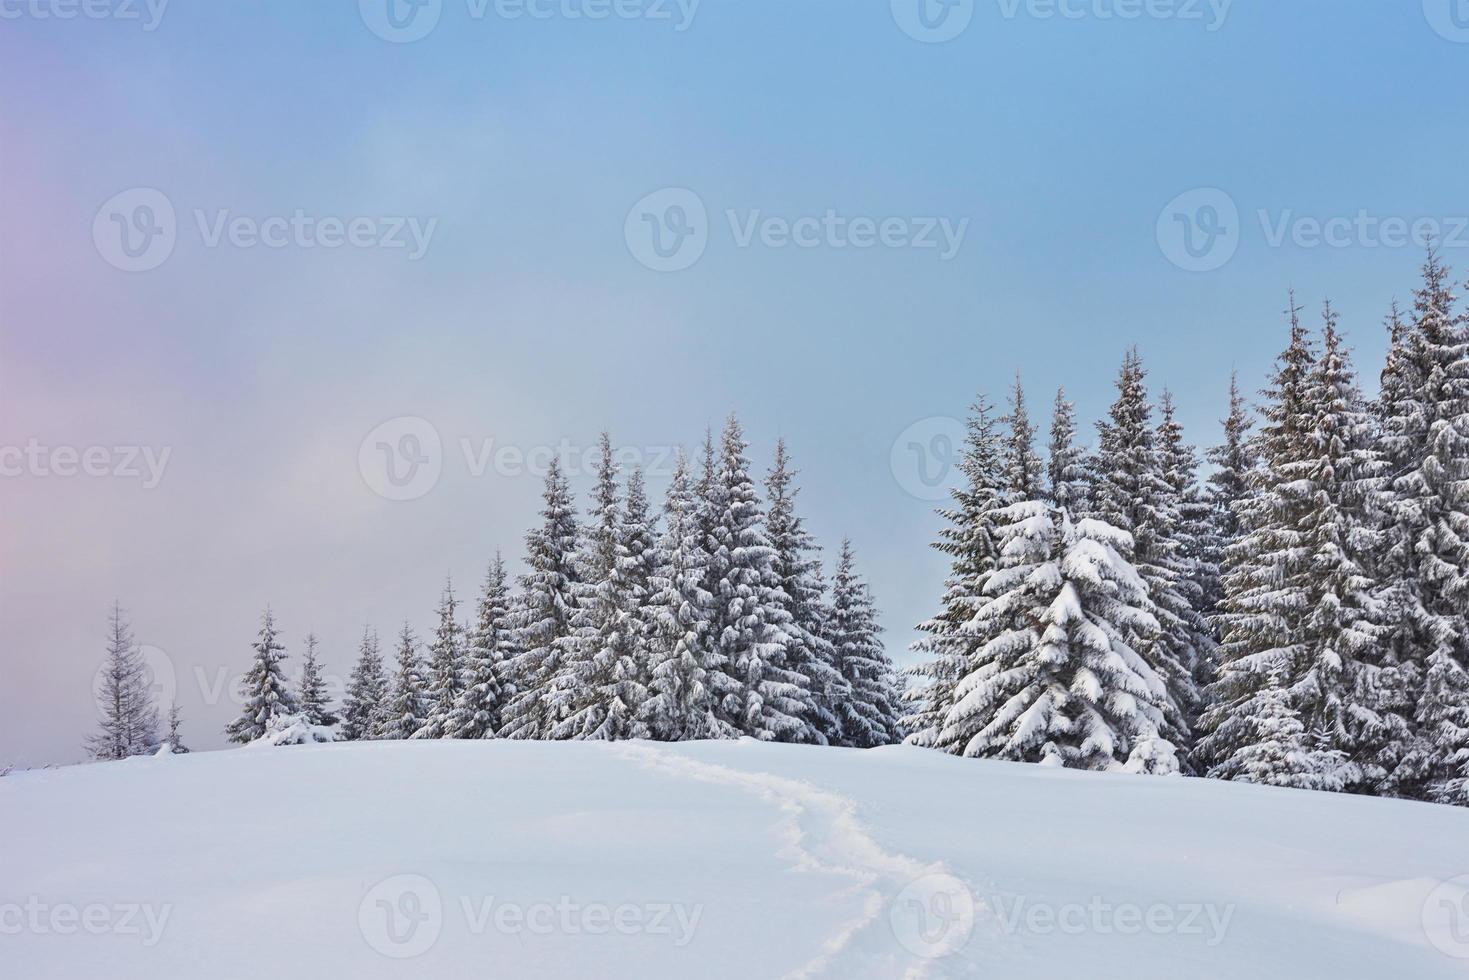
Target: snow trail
[(825, 835)]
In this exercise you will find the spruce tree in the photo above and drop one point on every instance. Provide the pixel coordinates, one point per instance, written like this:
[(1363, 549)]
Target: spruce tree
[(1426, 449), (407, 706), (263, 689), (599, 692), (1057, 681), (447, 667), (685, 678), (1341, 665), (1066, 471), (311, 695), (1197, 574), (175, 737), (1278, 749), (810, 652), (551, 593), (768, 700), (365, 708), (971, 539), (640, 545), (1233, 462), (1265, 570), (129, 724), (477, 710), (1133, 495), (869, 708), (1023, 472)]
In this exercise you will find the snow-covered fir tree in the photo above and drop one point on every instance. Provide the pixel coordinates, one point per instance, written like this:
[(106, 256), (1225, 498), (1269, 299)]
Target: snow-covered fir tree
[(599, 691), (312, 699), (684, 676), (869, 707), (175, 737), (1067, 478), (971, 539), (1278, 751), (810, 652), (1233, 461), (476, 713), (1054, 677), (447, 667), (408, 705), (1265, 569), (365, 708), (770, 701), (551, 593), (1023, 473), (129, 722), (640, 544), (1133, 495), (1197, 573), (1425, 446), (1342, 665), (263, 691)]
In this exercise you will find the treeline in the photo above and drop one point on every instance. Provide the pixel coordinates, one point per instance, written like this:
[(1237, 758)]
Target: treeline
[(711, 619), (1299, 619)]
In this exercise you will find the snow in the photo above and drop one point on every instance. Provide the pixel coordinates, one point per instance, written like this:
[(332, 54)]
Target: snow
[(714, 859)]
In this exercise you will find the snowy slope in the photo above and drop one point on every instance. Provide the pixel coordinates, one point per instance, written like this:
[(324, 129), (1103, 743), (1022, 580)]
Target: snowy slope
[(494, 859)]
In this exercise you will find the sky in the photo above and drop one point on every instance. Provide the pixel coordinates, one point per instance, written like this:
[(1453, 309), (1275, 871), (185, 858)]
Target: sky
[(297, 298)]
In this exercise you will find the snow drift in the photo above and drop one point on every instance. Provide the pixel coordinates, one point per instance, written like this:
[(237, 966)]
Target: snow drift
[(721, 859)]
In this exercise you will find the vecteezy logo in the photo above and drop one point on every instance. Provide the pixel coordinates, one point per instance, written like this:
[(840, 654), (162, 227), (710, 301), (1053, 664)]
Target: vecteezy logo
[(933, 916), (925, 455), (668, 230), (933, 21), (1446, 917), (135, 231), (1199, 231), (402, 459), (159, 678), (1450, 18), (401, 21), (402, 916)]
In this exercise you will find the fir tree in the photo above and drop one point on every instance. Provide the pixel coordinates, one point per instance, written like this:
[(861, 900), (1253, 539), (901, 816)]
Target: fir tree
[(365, 709), (264, 691), (971, 539), (1233, 462), (1022, 466), (810, 652), (175, 737), (1133, 495), (477, 710), (1057, 680), (447, 667), (1277, 751), (544, 634), (685, 677), (129, 724), (1066, 470), (1265, 569), (312, 699), (1341, 666), (768, 700), (1426, 448), (869, 708), (407, 705), (1197, 575), (599, 690)]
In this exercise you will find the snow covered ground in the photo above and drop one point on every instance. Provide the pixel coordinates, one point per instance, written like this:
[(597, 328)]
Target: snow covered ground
[(494, 859)]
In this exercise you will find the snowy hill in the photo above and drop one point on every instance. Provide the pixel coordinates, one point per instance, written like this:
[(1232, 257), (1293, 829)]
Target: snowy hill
[(496, 859)]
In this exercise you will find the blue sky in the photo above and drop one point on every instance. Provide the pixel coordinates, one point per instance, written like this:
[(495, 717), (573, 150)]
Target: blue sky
[(522, 146)]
